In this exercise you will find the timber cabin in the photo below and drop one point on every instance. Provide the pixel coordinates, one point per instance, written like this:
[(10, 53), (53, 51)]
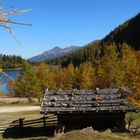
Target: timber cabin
[(99, 108)]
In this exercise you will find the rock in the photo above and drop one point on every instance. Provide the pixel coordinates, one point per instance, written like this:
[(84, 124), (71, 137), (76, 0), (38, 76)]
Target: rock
[(87, 129), (108, 131)]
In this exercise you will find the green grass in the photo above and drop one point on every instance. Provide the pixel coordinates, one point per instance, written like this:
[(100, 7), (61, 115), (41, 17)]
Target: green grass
[(135, 116)]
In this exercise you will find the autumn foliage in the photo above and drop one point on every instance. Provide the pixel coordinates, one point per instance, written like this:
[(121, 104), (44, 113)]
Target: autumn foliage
[(116, 68)]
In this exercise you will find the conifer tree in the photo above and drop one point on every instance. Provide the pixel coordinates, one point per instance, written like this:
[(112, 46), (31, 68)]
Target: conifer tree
[(128, 63), (28, 84), (42, 74), (51, 78), (109, 65), (70, 77), (77, 78), (61, 78), (110, 68), (86, 76)]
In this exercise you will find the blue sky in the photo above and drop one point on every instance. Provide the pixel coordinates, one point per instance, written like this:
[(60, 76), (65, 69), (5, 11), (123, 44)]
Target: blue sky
[(64, 23)]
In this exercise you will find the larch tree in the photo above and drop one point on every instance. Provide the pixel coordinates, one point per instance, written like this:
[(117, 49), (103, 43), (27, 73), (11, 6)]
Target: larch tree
[(51, 78), (128, 64), (135, 85), (28, 85), (61, 78), (86, 76), (110, 67), (77, 78), (70, 76), (100, 79), (131, 65), (42, 74)]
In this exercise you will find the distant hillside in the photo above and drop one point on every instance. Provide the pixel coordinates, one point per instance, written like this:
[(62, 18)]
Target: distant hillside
[(128, 32), (54, 53)]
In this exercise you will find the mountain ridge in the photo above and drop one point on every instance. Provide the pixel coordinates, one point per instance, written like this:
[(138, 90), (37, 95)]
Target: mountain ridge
[(54, 53), (128, 32)]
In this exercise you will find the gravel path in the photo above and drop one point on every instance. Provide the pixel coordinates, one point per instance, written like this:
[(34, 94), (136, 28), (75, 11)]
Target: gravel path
[(9, 109)]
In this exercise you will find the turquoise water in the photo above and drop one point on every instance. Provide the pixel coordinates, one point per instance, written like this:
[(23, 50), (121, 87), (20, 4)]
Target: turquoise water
[(4, 79)]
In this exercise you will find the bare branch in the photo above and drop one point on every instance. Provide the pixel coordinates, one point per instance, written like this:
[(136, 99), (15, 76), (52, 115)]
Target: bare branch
[(5, 22), (18, 12), (5, 26), (14, 35), (14, 22)]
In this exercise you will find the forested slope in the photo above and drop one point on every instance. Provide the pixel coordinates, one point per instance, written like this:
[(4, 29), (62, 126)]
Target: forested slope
[(10, 61), (129, 32)]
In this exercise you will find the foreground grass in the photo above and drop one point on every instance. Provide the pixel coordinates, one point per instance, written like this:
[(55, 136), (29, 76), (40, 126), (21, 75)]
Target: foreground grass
[(33, 138), (6, 118), (94, 135), (83, 135)]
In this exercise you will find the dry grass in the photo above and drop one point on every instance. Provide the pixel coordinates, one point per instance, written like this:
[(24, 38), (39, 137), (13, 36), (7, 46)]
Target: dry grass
[(6, 118), (93, 135), (85, 134), (4, 100)]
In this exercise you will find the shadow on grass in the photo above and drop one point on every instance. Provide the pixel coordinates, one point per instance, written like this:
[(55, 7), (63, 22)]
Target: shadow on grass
[(27, 132)]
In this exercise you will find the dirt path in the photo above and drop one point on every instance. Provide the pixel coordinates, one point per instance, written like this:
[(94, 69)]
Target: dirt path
[(10, 109)]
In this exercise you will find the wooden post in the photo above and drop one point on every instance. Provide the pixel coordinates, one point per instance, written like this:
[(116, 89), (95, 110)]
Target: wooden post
[(44, 121), (20, 123)]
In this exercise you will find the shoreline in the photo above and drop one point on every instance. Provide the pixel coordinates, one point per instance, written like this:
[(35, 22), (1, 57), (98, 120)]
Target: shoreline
[(12, 69)]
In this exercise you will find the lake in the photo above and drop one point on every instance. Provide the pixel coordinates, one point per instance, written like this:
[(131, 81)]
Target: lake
[(5, 77)]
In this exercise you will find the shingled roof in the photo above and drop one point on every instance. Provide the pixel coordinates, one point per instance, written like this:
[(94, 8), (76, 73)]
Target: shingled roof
[(75, 101)]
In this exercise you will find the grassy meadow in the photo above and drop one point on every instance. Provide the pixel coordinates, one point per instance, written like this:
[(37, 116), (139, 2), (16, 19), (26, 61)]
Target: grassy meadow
[(85, 134)]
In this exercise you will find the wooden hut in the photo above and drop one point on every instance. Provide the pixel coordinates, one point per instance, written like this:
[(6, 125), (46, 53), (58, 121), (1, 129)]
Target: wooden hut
[(99, 108)]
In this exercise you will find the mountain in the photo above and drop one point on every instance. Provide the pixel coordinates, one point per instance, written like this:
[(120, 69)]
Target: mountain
[(54, 53), (129, 32)]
